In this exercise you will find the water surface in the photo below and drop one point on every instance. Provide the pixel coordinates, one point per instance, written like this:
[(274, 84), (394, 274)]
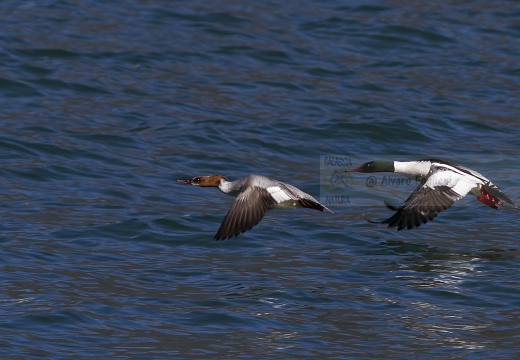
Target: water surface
[(105, 105)]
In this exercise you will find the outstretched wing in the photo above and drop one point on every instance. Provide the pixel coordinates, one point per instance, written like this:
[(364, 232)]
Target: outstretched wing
[(436, 193), (248, 209)]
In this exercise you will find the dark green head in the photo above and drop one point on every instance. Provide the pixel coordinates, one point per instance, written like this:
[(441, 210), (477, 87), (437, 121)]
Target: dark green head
[(374, 166)]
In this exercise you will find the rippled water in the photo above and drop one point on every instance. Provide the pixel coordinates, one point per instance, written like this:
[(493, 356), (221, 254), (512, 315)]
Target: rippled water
[(105, 105)]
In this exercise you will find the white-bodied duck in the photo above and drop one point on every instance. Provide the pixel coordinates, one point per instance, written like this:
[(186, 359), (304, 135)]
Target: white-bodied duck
[(442, 183), (255, 195)]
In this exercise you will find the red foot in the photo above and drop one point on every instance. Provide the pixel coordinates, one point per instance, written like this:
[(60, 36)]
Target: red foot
[(488, 200)]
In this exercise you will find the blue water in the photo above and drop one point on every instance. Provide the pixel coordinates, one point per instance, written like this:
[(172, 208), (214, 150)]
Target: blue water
[(104, 105)]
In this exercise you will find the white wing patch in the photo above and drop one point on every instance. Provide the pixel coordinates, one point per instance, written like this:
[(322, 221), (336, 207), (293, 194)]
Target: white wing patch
[(279, 195), (460, 183), (463, 187), (442, 178)]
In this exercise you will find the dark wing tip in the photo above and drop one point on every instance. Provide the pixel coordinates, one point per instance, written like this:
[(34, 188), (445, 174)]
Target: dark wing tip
[(410, 218), (226, 232), (309, 204), (496, 192), (220, 236), (407, 218)]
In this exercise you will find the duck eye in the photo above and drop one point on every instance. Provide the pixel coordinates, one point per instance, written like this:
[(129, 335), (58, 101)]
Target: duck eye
[(196, 179)]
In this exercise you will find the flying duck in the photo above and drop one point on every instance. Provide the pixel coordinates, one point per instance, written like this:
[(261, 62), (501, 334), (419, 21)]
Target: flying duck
[(255, 195), (442, 183)]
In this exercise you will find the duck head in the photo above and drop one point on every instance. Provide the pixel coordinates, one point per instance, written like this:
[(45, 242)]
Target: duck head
[(374, 166), (204, 181)]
